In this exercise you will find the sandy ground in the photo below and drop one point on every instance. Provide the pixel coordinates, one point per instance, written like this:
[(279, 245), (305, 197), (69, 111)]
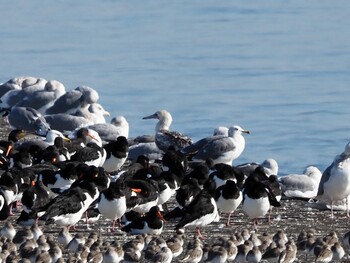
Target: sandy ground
[(293, 217)]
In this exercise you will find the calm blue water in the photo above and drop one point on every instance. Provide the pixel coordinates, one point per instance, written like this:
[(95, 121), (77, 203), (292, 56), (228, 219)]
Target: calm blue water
[(278, 68)]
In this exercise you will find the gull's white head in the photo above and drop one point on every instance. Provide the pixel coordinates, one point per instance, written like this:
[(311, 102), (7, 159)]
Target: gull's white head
[(164, 118), (236, 130), (313, 172)]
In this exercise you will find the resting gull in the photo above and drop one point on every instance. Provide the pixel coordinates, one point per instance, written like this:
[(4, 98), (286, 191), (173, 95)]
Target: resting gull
[(144, 145), (8, 86), (164, 137), (301, 185), (12, 97), (220, 148), (28, 119), (270, 166), (72, 100), (221, 130), (335, 180), (67, 122), (45, 98), (119, 126), (94, 112)]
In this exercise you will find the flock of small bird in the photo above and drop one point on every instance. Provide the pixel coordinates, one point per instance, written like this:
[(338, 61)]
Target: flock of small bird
[(62, 163), (31, 244)]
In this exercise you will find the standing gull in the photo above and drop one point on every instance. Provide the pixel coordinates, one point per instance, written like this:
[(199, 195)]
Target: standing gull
[(220, 148), (164, 137), (335, 180)]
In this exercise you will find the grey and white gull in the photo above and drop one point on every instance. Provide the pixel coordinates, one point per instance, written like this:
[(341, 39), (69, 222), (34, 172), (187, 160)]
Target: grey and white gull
[(73, 100), (219, 148), (84, 117), (303, 185), (118, 126), (28, 119), (42, 99), (27, 86), (335, 180)]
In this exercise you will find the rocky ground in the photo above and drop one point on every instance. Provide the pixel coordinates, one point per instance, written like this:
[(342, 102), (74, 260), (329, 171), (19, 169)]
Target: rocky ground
[(293, 217)]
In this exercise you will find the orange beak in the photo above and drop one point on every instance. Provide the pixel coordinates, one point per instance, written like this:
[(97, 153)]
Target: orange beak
[(136, 190), (8, 150), (33, 183), (159, 215), (92, 137)]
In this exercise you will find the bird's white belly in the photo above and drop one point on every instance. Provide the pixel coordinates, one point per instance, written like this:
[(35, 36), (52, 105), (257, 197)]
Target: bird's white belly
[(255, 208), (230, 205), (112, 209), (206, 219), (338, 185)]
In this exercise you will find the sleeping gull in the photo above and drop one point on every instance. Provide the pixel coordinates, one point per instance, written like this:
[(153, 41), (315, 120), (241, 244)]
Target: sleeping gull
[(164, 137), (8, 86), (65, 122), (335, 180), (301, 185), (220, 148), (28, 119), (73, 100), (94, 112), (45, 98), (12, 97), (68, 122)]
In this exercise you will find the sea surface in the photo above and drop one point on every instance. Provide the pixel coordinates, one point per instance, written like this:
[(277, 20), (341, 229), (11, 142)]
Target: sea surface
[(280, 69)]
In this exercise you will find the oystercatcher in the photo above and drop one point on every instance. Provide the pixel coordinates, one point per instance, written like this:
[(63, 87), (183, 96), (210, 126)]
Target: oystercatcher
[(202, 210), (152, 223)]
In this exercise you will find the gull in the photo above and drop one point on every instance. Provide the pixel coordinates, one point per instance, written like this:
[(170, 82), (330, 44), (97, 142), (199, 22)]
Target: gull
[(28, 119), (164, 137), (220, 148), (335, 180), (303, 185), (118, 126)]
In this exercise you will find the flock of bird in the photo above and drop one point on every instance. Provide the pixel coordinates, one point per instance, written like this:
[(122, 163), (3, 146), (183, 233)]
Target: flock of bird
[(63, 163)]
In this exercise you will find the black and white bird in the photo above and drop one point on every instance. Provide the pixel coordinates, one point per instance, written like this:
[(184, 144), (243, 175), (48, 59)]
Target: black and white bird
[(116, 154), (257, 196), (228, 197), (202, 210), (151, 223), (67, 208), (112, 203)]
